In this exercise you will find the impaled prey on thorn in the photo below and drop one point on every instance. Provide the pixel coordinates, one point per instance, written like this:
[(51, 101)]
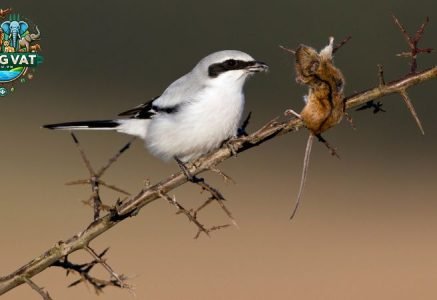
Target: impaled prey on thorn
[(325, 105)]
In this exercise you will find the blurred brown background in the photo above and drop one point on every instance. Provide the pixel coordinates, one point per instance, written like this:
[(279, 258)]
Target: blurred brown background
[(367, 226)]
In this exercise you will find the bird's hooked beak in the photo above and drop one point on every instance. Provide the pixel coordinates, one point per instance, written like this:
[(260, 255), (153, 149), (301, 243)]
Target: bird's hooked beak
[(257, 66)]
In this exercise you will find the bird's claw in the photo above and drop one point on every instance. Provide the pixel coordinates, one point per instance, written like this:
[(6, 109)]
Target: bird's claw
[(230, 145)]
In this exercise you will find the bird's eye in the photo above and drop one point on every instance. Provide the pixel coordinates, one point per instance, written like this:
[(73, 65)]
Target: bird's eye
[(231, 62)]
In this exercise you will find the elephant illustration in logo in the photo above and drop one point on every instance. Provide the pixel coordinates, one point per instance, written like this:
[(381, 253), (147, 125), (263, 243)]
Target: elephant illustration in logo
[(28, 38), (13, 31)]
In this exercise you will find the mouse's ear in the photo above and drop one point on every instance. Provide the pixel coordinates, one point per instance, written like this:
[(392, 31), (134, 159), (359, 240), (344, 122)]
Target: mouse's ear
[(307, 63)]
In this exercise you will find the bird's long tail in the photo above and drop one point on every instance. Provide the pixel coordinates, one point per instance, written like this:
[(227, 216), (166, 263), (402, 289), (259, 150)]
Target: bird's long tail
[(137, 127), (85, 125)]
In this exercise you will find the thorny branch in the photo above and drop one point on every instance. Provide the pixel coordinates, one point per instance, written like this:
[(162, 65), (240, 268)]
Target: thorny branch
[(412, 42), (58, 254), (215, 196), (191, 217), (45, 295), (94, 180), (341, 44), (84, 270), (100, 260), (376, 106)]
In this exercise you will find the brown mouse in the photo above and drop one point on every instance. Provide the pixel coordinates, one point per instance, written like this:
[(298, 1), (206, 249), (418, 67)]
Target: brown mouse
[(325, 102)]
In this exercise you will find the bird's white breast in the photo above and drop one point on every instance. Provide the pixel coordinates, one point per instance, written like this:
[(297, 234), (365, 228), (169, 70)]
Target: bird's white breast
[(201, 125)]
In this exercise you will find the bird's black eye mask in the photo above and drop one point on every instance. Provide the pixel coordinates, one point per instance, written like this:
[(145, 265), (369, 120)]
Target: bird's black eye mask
[(215, 70)]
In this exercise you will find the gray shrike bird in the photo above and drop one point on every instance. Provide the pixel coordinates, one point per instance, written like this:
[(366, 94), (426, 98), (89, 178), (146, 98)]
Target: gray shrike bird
[(194, 115)]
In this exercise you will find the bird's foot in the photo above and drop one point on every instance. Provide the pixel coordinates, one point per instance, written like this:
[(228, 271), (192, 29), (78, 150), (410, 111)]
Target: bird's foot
[(229, 143), (190, 177), (242, 130)]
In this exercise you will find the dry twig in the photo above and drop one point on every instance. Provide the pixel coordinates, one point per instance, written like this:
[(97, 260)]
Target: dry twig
[(94, 180), (84, 270), (412, 42), (191, 217), (215, 196), (341, 44), (44, 294)]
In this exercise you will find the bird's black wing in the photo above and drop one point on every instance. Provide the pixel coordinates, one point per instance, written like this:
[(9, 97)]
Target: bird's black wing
[(148, 110), (142, 111)]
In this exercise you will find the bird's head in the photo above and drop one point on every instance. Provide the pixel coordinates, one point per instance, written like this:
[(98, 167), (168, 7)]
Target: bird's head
[(229, 66)]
